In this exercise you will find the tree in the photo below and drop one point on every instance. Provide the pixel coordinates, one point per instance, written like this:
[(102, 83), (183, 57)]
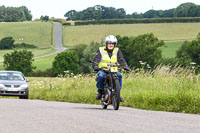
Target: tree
[(123, 43), (44, 18), (121, 13), (97, 12), (189, 52), (88, 53), (135, 15), (143, 48), (26, 13), (7, 43), (79, 49), (168, 13), (193, 11), (66, 61), (153, 14), (182, 10), (14, 14), (70, 14), (19, 61)]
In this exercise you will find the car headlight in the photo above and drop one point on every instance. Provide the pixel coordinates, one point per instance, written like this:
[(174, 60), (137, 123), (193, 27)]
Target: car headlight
[(1, 86), (23, 86)]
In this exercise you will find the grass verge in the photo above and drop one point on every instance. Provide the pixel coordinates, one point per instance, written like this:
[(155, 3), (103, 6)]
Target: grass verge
[(162, 90)]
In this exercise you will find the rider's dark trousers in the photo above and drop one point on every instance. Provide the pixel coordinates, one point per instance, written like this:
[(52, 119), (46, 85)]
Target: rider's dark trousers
[(101, 76)]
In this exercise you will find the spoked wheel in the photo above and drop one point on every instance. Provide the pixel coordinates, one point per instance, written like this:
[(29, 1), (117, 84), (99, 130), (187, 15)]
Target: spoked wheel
[(116, 95)]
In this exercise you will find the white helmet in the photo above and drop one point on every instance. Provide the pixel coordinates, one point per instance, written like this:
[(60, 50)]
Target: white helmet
[(111, 39)]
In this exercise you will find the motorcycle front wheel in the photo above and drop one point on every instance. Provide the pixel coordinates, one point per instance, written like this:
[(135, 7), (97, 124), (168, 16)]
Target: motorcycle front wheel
[(116, 95)]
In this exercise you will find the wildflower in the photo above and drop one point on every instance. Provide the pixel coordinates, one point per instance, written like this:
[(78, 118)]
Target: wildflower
[(193, 63), (148, 66)]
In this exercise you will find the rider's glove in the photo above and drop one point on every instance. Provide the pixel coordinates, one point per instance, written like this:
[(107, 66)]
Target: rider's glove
[(126, 68), (96, 68)]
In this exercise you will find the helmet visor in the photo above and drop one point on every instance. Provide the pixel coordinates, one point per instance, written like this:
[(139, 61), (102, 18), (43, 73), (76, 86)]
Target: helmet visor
[(110, 42)]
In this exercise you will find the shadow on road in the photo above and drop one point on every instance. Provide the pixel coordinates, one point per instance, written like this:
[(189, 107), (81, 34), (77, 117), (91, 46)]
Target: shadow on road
[(92, 108)]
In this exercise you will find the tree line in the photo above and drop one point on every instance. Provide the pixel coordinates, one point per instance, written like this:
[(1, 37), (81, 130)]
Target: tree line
[(101, 12), (15, 14)]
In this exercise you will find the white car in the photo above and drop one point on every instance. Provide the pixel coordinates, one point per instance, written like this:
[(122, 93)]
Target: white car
[(13, 83)]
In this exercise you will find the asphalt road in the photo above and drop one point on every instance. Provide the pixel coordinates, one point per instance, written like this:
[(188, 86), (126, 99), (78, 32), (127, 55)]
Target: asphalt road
[(37, 116), (58, 41)]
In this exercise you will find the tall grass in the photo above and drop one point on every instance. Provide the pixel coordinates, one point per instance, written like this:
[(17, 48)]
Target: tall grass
[(177, 90)]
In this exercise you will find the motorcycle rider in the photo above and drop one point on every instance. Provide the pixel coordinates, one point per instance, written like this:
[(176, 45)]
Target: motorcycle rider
[(108, 54)]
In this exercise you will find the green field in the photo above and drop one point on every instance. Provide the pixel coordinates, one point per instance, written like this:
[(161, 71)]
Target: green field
[(169, 50), (40, 34), (36, 33), (164, 31), (44, 63), (172, 33)]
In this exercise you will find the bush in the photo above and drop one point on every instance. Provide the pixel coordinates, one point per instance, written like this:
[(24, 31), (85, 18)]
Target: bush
[(143, 20), (66, 61), (189, 53), (67, 24), (45, 73), (58, 20), (7, 43), (79, 50), (19, 61), (24, 45)]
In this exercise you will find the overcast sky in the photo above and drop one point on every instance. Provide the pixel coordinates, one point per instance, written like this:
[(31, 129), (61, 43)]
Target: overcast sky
[(57, 8)]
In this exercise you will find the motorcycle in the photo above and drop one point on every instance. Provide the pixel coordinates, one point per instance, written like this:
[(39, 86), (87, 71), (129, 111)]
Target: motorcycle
[(111, 90)]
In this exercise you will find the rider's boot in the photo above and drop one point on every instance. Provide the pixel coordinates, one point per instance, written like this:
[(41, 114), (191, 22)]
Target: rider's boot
[(98, 97), (121, 99)]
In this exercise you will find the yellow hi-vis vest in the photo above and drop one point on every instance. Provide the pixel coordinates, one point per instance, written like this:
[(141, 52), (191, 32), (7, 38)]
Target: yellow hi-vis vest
[(105, 60)]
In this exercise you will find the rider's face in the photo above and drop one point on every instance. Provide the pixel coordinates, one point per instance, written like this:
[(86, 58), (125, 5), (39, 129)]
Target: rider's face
[(110, 46)]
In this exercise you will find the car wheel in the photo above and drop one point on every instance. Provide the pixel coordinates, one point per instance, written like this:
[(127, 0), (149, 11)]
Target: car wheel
[(24, 96)]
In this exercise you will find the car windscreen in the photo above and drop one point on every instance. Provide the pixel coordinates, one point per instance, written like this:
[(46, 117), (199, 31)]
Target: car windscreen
[(11, 76)]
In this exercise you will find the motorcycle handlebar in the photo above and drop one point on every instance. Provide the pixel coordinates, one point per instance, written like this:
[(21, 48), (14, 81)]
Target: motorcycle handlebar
[(111, 65)]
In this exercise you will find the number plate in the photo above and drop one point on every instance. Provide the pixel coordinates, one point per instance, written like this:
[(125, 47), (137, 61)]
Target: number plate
[(114, 69), (10, 89)]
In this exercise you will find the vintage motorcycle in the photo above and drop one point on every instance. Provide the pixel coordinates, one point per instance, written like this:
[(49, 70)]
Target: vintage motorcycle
[(111, 90)]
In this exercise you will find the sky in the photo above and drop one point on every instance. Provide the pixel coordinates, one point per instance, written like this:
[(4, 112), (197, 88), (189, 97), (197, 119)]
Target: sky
[(57, 8)]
